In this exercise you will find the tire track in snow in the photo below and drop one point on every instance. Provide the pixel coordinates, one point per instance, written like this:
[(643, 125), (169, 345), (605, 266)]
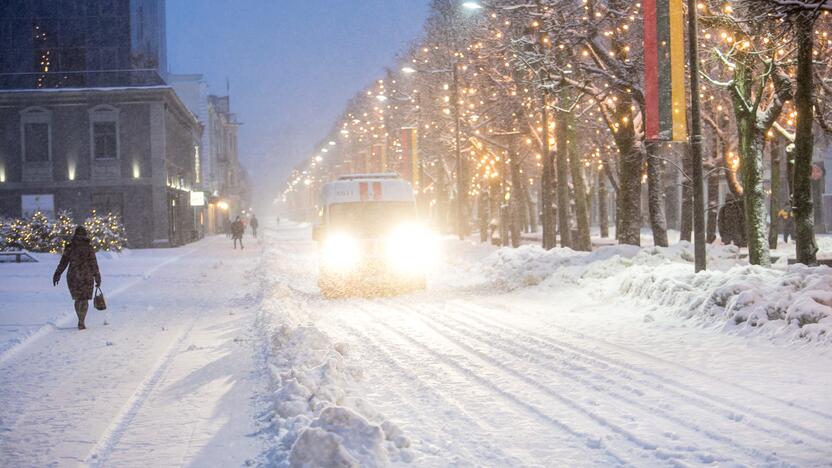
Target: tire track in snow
[(423, 387), (608, 391), (702, 403), (693, 393), (98, 455), (648, 447), (671, 364), (588, 439)]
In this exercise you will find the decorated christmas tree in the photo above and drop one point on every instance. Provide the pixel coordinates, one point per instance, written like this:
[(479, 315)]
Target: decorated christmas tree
[(106, 232), (61, 233), (9, 234), (37, 233), (117, 238)]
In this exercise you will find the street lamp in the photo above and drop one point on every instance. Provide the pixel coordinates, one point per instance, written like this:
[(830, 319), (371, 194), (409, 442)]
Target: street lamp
[(408, 70), (472, 6)]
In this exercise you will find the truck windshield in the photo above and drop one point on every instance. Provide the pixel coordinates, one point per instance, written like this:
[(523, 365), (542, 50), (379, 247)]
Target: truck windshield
[(370, 218)]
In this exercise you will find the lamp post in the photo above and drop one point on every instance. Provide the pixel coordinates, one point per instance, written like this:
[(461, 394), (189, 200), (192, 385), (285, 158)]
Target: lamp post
[(696, 143)]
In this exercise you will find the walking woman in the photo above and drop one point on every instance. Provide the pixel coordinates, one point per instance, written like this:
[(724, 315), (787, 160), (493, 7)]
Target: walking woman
[(83, 270)]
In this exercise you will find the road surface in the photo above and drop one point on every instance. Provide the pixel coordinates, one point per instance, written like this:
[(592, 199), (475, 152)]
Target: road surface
[(474, 375)]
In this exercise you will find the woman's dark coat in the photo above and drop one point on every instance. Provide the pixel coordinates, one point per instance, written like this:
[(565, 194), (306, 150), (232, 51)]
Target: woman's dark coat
[(83, 268)]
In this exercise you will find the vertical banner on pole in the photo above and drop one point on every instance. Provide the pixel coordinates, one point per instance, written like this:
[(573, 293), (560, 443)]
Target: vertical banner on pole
[(677, 71), (360, 162), (378, 158), (664, 71), (410, 155)]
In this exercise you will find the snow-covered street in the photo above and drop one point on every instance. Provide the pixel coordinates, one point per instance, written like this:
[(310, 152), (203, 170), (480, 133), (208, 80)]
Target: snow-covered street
[(573, 376), (216, 357)]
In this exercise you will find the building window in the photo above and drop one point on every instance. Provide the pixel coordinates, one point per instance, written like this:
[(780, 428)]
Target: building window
[(104, 133), (36, 135), (104, 140), (36, 142)]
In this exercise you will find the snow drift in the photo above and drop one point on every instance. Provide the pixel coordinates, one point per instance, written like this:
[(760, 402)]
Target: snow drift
[(784, 302)]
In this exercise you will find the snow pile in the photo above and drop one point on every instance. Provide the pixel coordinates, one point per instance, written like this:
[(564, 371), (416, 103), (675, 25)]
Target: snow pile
[(317, 417), (787, 301), (795, 303), (530, 265)]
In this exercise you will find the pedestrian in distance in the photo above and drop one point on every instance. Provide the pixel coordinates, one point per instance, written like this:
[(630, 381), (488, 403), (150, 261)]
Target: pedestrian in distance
[(79, 256), (237, 229), (787, 219), (254, 223)]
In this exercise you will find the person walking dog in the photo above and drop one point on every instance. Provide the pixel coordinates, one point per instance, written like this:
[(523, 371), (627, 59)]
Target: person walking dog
[(79, 256)]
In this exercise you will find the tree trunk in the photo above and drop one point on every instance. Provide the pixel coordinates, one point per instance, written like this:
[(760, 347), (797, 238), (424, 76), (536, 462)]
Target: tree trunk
[(531, 207), (804, 229), (515, 196), (713, 205), (751, 156), (655, 195), (547, 182), (442, 202), (603, 210), (629, 197), (686, 222), (482, 211), (583, 242), (563, 180), (751, 142), (775, 150)]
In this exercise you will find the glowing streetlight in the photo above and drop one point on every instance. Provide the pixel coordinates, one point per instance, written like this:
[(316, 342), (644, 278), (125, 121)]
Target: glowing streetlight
[(472, 6), (223, 205), (381, 97), (408, 70)]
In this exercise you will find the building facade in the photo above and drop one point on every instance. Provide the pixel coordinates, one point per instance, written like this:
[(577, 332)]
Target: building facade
[(88, 121), (221, 176), (129, 151)]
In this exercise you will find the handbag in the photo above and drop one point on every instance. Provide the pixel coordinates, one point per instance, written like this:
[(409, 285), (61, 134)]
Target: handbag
[(98, 301)]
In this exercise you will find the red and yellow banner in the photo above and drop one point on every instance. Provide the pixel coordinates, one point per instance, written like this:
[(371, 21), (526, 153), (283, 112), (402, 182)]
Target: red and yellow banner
[(377, 161), (410, 155), (664, 71)]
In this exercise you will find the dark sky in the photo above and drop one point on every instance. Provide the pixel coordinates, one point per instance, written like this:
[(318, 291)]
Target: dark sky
[(292, 65)]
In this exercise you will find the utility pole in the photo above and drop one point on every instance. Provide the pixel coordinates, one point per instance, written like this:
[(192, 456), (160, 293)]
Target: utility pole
[(696, 142)]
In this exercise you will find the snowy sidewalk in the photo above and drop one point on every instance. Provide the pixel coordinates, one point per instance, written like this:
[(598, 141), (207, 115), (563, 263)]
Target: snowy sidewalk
[(170, 380)]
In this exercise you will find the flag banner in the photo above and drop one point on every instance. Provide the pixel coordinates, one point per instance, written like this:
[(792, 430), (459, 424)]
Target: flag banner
[(360, 162), (664, 71), (378, 158), (410, 155)]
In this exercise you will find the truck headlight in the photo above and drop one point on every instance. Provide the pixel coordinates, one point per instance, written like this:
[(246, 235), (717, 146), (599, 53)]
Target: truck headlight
[(341, 252), (412, 249)]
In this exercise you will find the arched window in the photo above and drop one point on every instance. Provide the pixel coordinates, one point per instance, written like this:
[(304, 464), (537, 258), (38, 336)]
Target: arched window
[(104, 133), (36, 134)]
